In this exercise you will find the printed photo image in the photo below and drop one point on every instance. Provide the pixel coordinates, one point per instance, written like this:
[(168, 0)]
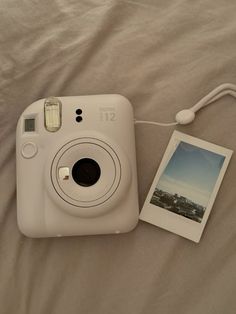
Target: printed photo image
[(186, 184)]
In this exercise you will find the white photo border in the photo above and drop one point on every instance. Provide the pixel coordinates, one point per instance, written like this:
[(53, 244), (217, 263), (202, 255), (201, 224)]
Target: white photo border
[(173, 222)]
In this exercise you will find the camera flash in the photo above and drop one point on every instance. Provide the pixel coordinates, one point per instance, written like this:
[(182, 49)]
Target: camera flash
[(52, 114)]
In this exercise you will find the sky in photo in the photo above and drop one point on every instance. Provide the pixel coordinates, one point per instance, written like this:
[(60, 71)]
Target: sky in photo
[(191, 172)]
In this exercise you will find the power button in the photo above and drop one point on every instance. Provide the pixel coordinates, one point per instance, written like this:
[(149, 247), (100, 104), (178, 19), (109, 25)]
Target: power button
[(29, 150)]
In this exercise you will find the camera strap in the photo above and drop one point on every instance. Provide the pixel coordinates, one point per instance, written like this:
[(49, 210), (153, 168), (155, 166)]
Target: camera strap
[(187, 116)]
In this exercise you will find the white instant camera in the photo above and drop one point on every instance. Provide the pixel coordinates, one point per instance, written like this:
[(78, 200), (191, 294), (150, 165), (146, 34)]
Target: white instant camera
[(76, 167)]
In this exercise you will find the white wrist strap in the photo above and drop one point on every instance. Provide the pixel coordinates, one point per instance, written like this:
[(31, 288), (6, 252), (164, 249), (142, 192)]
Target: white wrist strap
[(186, 116)]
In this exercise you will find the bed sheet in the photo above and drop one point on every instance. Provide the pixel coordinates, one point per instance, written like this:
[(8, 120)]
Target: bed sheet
[(163, 56)]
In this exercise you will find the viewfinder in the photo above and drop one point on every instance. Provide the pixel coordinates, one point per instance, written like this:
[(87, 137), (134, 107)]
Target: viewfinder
[(30, 125)]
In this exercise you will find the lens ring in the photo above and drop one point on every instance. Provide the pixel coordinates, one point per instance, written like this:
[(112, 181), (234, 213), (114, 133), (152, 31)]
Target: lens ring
[(86, 172), (110, 172), (108, 196)]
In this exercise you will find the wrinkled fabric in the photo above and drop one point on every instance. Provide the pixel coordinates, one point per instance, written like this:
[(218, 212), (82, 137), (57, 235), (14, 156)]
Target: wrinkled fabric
[(163, 56)]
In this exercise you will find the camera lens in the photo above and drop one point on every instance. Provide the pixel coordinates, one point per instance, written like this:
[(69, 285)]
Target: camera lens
[(86, 172)]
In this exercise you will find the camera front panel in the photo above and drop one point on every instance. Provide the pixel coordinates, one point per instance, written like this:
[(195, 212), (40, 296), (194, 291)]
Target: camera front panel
[(76, 166)]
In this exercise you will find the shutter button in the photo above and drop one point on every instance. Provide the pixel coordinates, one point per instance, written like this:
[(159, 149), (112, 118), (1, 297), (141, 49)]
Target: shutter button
[(29, 150)]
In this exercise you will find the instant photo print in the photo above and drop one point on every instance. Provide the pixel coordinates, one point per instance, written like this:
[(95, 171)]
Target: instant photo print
[(185, 186)]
